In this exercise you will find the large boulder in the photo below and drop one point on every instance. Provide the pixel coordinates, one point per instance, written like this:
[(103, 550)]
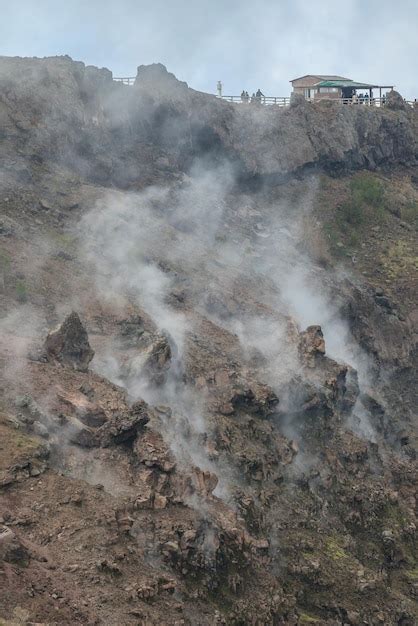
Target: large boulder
[(124, 427), (311, 345), (157, 359), (12, 549), (69, 344), (395, 101), (153, 452), (89, 413), (242, 393), (156, 81)]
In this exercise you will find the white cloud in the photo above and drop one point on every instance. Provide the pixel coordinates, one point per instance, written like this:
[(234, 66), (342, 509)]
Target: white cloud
[(246, 44)]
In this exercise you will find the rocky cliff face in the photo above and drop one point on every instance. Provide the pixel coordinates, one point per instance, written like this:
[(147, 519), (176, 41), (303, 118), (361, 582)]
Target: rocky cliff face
[(56, 109), (208, 352)]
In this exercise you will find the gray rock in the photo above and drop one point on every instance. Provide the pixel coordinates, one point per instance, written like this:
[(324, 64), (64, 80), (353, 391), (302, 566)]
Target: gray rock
[(40, 430), (8, 227), (157, 358), (69, 344), (395, 102)]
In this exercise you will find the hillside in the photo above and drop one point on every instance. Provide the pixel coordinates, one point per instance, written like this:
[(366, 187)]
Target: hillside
[(208, 355)]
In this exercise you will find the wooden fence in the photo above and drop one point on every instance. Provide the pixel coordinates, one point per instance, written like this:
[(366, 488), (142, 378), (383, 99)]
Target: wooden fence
[(126, 80), (284, 101), (278, 100)]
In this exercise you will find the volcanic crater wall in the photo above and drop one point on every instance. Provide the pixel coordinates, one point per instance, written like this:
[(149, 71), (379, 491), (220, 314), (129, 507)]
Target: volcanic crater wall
[(61, 110)]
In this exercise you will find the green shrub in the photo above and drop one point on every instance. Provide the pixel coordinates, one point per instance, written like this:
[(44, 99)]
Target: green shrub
[(366, 202), (365, 205), (305, 618), (62, 239), (351, 212), (409, 213), (21, 291), (367, 189)]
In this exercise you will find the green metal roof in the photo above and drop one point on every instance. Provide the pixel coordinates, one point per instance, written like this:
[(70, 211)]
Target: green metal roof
[(344, 83)]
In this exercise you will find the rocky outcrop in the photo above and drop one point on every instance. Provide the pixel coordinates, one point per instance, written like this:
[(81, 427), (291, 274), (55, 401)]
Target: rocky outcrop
[(152, 451), (11, 549), (90, 413), (69, 344), (375, 323), (126, 136), (157, 359), (312, 345), (123, 428), (120, 428), (395, 102), (316, 400)]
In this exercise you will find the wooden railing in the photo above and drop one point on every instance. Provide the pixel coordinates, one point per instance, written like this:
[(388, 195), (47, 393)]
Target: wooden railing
[(280, 101), (369, 102), (126, 80), (285, 101)]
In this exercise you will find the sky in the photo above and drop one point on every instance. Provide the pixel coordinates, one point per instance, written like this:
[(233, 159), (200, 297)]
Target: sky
[(245, 44)]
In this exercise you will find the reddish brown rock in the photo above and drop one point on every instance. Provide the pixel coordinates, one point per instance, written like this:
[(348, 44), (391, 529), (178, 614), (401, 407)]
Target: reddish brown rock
[(152, 451), (311, 346), (90, 413)]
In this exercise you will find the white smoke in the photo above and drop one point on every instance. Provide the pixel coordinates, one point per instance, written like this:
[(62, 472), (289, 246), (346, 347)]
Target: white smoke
[(203, 235)]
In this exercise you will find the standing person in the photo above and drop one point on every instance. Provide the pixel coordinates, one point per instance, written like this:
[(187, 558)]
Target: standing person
[(247, 97), (243, 96), (219, 89), (259, 95), (253, 99)]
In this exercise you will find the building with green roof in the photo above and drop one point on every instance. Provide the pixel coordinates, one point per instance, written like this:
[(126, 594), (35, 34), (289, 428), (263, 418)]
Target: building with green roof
[(323, 86)]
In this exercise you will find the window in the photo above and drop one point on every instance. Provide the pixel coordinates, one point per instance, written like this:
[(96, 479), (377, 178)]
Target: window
[(328, 89)]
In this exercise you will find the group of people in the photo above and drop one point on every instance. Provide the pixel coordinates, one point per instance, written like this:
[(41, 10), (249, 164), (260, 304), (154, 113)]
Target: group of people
[(361, 98), (364, 98), (255, 98)]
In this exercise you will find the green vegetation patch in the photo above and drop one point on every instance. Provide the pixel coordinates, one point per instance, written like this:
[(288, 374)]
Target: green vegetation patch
[(409, 213), (393, 515), (21, 291), (67, 241), (365, 204), (412, 574), (400, 259), (334, 549), (13, 443), (305, 618)]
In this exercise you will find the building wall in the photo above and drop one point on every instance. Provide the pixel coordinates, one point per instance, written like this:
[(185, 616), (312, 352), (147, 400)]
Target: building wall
[(303, 85), (308, 92)]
